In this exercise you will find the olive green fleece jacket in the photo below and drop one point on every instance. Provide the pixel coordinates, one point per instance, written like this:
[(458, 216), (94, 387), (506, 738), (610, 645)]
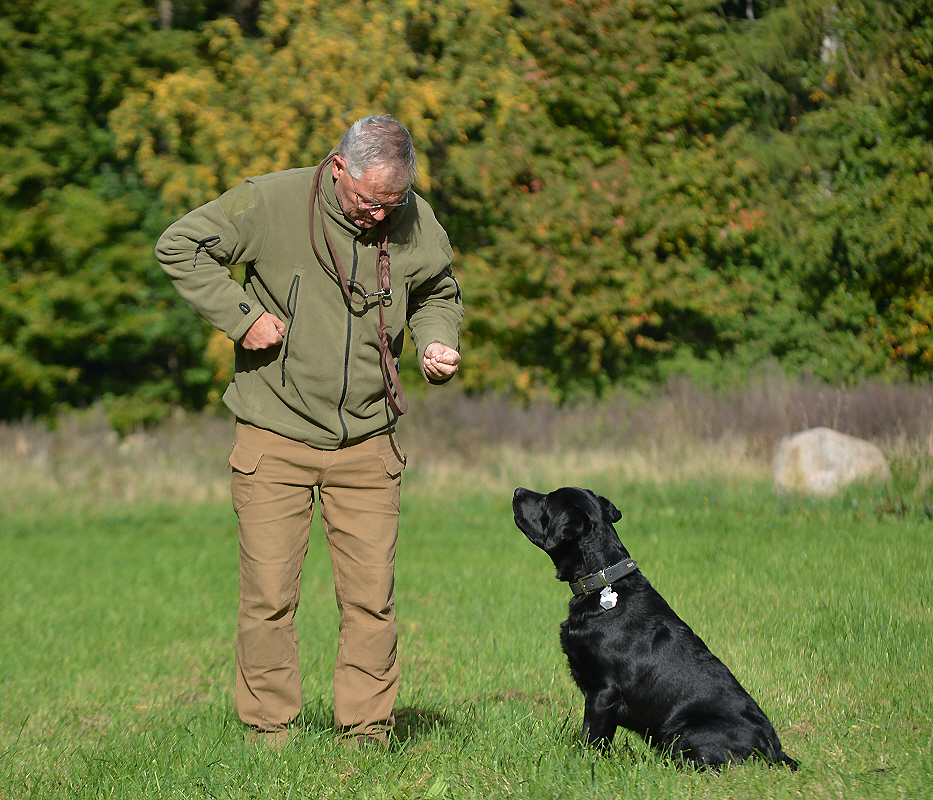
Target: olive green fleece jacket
[(323, 385)]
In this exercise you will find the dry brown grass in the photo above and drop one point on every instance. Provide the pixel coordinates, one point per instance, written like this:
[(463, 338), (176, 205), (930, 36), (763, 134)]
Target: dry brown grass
[(677, 433), (82, 461)]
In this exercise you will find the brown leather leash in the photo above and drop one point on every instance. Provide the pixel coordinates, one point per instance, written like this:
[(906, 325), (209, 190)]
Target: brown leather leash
[(394, 392)]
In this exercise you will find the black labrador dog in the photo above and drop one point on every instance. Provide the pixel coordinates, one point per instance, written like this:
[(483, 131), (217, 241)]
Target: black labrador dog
[(637, 663)]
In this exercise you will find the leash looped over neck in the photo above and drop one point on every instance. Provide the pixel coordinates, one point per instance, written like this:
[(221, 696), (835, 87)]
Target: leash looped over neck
[(393, 383)]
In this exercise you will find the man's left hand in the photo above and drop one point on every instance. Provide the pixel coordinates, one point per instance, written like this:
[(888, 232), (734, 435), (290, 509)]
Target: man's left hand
[(440, 361)]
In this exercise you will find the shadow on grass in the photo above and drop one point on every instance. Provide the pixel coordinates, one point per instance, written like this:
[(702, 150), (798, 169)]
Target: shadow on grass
[(414, 724), (411, 724)]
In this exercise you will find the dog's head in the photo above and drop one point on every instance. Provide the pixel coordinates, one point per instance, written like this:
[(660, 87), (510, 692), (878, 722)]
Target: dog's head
[(573, 526)]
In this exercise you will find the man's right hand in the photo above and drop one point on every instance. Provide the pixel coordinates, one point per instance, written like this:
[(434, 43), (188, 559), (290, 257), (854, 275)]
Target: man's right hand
[(267, 331)]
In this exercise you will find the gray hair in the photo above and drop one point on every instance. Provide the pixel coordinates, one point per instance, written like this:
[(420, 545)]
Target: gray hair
[(380, 141)]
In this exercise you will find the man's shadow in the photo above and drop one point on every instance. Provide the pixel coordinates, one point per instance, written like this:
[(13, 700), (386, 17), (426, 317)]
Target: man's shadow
[(415, 724), (412, 724)]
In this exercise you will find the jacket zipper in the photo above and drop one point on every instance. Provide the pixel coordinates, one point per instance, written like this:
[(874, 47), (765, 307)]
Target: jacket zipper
[(346, 353), (459, 298), (204, 244), (291, 306)]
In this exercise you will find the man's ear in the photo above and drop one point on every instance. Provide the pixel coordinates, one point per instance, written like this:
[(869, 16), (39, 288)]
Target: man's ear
[(610, 512)]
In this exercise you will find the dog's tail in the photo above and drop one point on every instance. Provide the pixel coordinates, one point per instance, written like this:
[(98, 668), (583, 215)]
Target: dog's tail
[(789, 762)]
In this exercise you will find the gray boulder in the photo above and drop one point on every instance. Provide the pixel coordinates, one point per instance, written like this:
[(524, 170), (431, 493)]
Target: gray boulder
[(820, 461)]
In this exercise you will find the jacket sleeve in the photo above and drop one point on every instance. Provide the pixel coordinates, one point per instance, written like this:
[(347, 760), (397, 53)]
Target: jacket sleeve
[(435, 306), (197, 251)]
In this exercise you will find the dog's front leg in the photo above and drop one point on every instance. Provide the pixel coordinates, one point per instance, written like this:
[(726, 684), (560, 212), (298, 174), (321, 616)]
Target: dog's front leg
[(600, 720)]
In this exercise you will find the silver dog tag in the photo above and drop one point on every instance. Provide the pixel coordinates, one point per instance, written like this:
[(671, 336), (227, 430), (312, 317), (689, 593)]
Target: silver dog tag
[(608, 598)]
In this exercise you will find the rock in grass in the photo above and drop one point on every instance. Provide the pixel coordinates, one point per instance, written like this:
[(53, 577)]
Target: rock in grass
[(820, 461)]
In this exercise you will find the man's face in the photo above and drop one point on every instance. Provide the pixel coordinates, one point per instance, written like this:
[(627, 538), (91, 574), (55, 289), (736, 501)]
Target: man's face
[(369, 199)]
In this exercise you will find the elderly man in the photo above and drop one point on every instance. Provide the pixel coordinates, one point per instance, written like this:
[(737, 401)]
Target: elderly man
[(338, 259)]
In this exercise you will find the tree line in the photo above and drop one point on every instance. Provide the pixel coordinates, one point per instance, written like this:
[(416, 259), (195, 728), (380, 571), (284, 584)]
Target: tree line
[(634, 188)]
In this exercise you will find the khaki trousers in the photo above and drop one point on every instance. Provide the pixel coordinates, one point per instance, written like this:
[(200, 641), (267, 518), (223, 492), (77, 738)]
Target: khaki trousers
[(273, 494)]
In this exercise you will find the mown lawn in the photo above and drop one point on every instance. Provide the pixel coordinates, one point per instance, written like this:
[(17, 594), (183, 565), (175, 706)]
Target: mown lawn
[(116, 642)]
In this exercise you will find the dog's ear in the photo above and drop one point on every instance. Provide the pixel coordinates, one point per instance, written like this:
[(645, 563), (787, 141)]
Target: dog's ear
[(610, 512), (570, 524)]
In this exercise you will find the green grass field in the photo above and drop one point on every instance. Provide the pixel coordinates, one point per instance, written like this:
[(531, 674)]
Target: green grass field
[(116, 645)]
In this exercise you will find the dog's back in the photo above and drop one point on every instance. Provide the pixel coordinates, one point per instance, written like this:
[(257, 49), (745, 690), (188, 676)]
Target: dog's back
[(668, 686)]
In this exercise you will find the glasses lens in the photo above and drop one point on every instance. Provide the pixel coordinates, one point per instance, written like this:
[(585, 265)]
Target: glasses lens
[(399, 204), (376, 206), (368, 206)]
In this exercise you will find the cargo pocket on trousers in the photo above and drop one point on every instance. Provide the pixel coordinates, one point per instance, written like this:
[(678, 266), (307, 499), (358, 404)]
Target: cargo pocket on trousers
[(394, 463), (244, 463)]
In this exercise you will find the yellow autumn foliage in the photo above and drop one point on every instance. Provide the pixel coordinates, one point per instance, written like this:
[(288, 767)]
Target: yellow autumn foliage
[(284, 99)]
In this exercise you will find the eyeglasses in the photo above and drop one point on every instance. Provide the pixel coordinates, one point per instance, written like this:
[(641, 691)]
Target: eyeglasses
[(367, 206)]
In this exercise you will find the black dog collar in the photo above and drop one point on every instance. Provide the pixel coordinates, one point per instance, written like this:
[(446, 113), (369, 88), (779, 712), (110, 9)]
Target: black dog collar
[(603, 578)]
